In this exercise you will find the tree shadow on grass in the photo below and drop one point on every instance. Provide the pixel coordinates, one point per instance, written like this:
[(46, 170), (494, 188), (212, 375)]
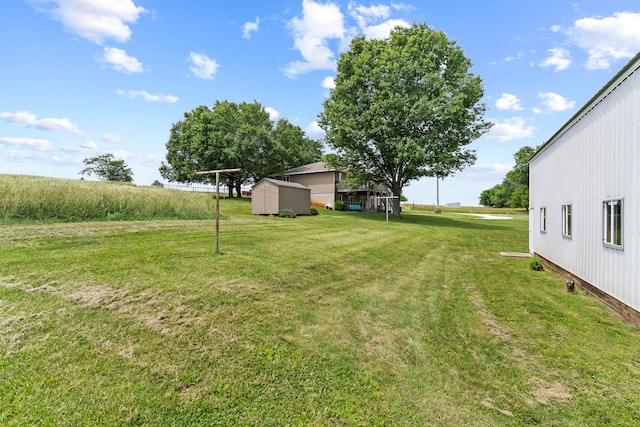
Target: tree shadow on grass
[(434, 221)]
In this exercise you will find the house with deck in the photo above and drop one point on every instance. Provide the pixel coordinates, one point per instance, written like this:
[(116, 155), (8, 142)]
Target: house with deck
[(584, 217), (329, 185)]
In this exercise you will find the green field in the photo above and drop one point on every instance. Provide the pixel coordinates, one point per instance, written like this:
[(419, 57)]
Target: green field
[(318, 320)]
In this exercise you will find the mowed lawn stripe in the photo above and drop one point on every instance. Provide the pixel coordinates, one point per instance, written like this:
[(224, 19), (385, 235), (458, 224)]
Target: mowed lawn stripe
[(324, 320)]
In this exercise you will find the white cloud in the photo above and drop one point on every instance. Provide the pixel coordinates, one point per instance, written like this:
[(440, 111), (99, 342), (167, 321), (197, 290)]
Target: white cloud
[(120, 61), (110, 137), (273, 114), (607, 39), (25, 118), (508, 102), (133, 94), (90, 145), (509, 129), (517, 56), (94, 20), (88, 148), (364, 15), (383, 30), (250, 27), (560, 59), (329, 82), (556, 28), (555, 102), (32, 143), (203, 66), (314, 131), (122, 154), (320, 23)]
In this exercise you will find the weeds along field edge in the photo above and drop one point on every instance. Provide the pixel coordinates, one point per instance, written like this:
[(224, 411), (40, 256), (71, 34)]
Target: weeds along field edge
[(33, 198)]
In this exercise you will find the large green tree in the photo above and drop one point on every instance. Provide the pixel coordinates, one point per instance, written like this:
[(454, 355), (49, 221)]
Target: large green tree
[(231, 135), (106, 167), (513, 192), (403, 108)]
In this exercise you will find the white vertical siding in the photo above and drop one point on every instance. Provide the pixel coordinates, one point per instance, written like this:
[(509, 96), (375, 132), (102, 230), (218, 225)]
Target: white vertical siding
[(596, 156)]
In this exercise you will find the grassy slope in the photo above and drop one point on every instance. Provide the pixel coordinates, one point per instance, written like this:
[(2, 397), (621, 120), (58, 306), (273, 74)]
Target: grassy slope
[(315, 320), (29, 198)]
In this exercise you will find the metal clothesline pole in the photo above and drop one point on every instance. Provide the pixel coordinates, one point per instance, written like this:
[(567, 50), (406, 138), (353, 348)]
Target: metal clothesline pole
[(218, 172), (386, 206)]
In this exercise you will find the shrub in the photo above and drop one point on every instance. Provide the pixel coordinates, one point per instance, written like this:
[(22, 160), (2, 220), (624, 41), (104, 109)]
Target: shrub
[(314, 211), (339, 206), (535, 264), (286, 213)]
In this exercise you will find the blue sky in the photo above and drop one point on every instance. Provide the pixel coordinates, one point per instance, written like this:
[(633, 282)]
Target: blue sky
[(81, 78)]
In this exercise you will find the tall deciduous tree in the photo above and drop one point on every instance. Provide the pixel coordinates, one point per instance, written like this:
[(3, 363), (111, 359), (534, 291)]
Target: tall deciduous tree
[(513, 192), (106, 167), (231, 135), (404, 108)]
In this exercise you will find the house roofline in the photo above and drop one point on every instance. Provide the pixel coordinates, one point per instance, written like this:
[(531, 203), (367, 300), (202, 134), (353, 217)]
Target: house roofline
[(300, 170)]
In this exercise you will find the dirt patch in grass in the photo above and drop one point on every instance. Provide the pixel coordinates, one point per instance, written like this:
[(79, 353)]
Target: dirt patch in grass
[(546, 393), (30, 235), (489, 404), (154, 310), (94, 296), (497, 330), (157, 311), (9, 283)]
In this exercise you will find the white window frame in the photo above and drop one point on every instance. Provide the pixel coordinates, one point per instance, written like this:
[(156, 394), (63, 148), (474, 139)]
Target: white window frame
[(609, 223), (567, 221), (543, 220)]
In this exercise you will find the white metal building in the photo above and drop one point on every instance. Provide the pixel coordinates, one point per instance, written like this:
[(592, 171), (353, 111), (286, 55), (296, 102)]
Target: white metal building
[(585, 195)]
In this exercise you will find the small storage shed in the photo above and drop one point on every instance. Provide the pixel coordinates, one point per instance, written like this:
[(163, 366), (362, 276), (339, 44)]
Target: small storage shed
[(270, 196)]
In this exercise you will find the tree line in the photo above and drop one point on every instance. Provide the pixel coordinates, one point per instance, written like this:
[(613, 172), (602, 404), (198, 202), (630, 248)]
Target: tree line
[(513, 192)]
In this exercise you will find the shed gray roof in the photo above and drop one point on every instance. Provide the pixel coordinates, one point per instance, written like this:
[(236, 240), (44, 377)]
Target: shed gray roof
[(283, 183)]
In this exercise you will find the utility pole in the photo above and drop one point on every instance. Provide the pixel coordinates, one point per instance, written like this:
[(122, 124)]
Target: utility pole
[(218, 172)]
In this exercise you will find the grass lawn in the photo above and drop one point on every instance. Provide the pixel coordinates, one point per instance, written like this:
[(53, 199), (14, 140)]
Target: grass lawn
[(325, 320)]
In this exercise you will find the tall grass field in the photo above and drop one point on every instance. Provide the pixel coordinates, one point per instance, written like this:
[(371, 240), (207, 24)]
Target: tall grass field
[(30, 198), (323, 320)]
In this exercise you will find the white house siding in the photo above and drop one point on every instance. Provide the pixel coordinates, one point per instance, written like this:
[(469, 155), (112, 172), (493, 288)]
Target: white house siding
[(594, 157)]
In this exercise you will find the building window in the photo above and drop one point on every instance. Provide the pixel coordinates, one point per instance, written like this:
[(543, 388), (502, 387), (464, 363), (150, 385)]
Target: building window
[(566, 220), (612, 224), (286, 178), (543, 220)]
